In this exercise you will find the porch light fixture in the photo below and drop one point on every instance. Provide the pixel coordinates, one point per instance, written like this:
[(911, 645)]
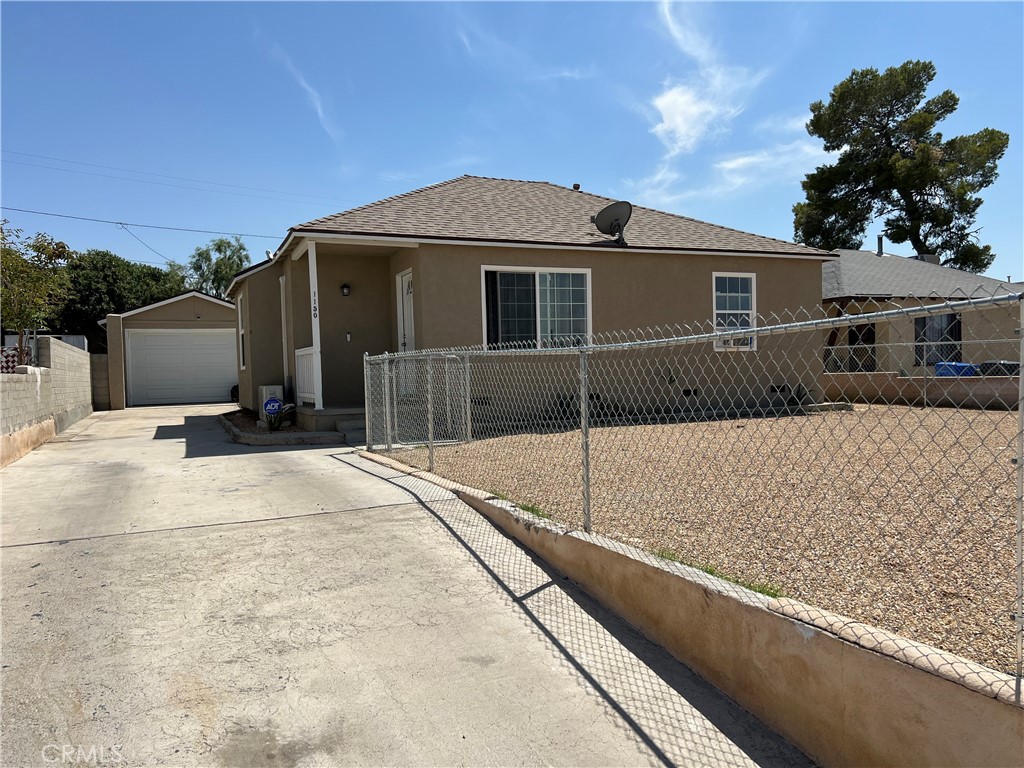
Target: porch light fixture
[(346, 289)]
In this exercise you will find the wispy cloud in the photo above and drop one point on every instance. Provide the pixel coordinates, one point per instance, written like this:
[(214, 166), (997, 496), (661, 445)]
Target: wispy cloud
[(691, 110), (780, 163), (493, 50), (574, 73), (312, 94), (705, 102), (737, 174), (460, 163), (784, 124)]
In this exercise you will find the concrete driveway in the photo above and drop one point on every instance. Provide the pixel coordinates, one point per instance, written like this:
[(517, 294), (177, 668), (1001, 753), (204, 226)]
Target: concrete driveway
[(171, 598)]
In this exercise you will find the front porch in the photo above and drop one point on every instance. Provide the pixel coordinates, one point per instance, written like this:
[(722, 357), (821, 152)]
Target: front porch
[(350, 421), (341, 302)]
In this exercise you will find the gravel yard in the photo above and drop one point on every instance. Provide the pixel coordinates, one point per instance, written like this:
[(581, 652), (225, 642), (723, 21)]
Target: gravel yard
[(900, 517)]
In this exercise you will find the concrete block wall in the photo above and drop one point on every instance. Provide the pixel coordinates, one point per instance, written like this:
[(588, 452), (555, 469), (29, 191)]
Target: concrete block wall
[(26, 398), (37, 403), (70, 380), (100, 383)]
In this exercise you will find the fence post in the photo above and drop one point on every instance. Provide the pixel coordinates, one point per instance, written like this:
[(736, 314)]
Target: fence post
[(585, 433), (430, 413), (469, 401), (368, 400), (386, 388), (1020, 507)]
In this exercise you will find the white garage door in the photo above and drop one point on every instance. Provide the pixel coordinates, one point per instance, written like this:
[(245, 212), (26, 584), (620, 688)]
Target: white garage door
[(180, 366)]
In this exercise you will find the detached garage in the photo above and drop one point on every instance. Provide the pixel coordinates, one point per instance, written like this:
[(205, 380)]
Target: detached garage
[(182, 350)]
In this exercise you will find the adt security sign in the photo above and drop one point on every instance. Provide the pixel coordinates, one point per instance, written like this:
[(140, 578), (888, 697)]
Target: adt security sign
[(272, 407)]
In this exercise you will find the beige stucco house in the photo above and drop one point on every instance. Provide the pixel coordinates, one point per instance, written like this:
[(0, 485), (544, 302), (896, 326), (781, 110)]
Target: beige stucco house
[(181, 350), (895, 360), (478, 261)]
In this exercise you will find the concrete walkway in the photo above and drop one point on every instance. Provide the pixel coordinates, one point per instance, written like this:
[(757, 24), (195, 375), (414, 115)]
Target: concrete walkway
[(172, 598)]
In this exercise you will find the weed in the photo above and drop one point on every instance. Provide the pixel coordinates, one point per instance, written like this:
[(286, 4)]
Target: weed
[(498, 495), (761, 587), (667, 554), (534, 510)]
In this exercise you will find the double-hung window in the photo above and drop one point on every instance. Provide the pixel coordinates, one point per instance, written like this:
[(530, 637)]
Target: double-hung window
[(735, 307), (937, 339), (241, 333), (525, 307)]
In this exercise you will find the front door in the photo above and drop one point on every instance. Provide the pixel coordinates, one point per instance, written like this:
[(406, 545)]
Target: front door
[(406, 333)]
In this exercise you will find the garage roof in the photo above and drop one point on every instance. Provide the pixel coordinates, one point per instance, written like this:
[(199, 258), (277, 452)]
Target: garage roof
[(179, 297)]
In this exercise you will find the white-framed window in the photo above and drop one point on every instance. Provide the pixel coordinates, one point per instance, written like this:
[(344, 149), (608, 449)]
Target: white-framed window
[(241, 333), (535, 306), (938, 339), (735, 306)]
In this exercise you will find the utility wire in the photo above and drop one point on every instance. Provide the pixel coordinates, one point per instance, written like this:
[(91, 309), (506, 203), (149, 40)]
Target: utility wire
[(119, 225), (145, 226), (179, 178), (157, 183)]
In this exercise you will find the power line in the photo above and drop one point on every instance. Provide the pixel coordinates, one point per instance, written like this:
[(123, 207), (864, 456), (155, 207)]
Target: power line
[(157, 183), (154, 250), (176, 178), (145, 226)]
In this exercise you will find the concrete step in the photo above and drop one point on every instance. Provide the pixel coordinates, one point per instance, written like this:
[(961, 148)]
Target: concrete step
[(355, 436)]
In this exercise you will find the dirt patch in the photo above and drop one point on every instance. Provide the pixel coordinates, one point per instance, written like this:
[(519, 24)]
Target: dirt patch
[(899, 517), (246, 422)]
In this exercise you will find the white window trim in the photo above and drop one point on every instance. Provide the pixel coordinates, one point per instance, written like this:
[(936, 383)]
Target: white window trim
[(241, 333), (536, 271), (719, 346)]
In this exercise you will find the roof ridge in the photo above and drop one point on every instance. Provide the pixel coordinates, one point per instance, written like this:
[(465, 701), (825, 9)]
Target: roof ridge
[(928, 264), (390, 199), (683, 218), (375, 213)]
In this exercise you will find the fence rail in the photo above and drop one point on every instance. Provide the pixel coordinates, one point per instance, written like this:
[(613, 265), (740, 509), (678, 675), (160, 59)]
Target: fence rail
[(305, 375), (869, 462)]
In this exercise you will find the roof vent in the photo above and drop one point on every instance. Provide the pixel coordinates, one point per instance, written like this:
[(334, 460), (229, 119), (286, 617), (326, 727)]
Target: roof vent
[(612, 220), (576, 187)]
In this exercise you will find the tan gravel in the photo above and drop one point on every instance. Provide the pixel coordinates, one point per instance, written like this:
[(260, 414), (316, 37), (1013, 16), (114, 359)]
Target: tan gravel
[(899, 517)]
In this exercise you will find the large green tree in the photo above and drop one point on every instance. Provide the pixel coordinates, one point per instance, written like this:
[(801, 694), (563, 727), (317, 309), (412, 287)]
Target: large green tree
[(33, 282), (101, 283), (212, 266), (894, 165)]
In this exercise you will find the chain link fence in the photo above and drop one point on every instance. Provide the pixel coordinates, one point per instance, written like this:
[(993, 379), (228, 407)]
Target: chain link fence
[(863, 457)]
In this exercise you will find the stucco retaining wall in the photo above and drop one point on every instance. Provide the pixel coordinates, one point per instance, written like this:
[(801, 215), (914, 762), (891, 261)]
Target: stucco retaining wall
[(844, 692), (37, 403), (997, 392)]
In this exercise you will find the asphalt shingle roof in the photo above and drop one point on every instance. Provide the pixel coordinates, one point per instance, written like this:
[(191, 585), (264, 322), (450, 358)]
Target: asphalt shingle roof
[(476, 208), (868, 275)]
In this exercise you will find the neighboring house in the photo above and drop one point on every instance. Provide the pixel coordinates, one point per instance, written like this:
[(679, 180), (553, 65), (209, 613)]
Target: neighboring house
[(180, 350), (896, 360), (864, 281), (478, 261)]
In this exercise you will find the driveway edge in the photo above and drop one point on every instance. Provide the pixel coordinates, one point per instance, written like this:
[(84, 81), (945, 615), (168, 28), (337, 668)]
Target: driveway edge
[(842, 691)]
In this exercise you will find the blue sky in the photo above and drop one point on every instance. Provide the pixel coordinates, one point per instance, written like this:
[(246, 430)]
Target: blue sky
[(300, 110)]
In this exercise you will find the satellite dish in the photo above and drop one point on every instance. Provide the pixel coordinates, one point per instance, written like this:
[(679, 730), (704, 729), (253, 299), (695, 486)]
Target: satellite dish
[(612, 220)]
